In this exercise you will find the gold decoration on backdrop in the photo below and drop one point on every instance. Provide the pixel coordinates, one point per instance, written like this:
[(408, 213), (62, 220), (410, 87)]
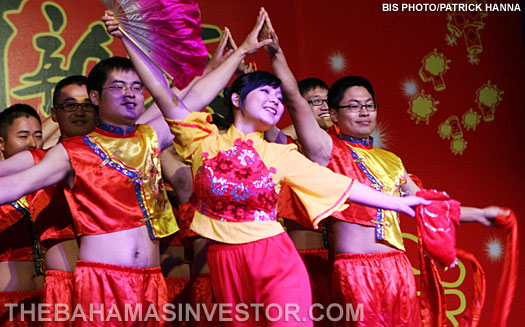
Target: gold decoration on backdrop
[(488, 97), (457, 146), (451, 129), (434, 66), (467, 24), (422, 107), (470, 120)]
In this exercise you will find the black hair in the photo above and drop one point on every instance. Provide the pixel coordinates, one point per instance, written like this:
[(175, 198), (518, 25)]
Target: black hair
[(75, 79), (247, 83), (338, 89), (15, 111), (311, 83), (98, 75)]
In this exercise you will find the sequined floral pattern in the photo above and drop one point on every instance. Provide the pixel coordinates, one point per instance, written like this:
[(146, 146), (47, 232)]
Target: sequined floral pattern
[(236, 186)]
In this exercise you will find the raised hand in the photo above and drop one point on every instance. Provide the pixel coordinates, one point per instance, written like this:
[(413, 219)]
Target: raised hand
[(223, 51), (268, 32), (251, 44), (243, 67), (111, 24)]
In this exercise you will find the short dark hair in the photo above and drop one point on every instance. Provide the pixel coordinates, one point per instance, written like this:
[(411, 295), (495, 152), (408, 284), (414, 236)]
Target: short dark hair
[(75, 79), (98, 75), (311, 83), (242, 86), (15, 111), (247, 83), (338, 89)]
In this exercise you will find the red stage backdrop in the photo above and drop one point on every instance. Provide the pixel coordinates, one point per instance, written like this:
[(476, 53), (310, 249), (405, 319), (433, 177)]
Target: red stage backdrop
[(448, 85)]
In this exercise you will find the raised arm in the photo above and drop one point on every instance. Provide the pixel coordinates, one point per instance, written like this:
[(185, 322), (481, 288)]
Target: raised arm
[(208, 87), (317, 144), (52, 169), (223, 51), (150, 74)]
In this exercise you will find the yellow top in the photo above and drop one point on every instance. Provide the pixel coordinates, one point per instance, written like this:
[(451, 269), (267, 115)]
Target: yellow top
[(320, 190), (387, 170)]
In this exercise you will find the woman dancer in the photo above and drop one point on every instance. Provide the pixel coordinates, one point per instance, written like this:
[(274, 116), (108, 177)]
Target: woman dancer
[(254, 267)]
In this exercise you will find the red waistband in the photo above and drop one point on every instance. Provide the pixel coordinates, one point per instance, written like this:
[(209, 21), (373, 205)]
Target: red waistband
[(231, 247), (107, 266), (370, 256)]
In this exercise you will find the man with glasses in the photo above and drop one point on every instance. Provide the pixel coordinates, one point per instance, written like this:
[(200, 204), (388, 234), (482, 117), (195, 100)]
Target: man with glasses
[(116, 196), (72, 109), (370, 268), (315, 92), (76, 116)]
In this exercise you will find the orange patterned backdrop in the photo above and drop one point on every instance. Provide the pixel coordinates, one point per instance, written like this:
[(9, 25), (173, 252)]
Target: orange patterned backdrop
[(448, 85)]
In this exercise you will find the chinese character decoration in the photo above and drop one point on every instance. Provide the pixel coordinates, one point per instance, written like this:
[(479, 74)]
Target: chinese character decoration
[(52, 67)]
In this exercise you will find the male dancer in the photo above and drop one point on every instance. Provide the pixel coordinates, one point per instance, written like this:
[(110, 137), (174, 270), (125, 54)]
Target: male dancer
[(116, 196), (367, 241), (76, 116), (21, 277)]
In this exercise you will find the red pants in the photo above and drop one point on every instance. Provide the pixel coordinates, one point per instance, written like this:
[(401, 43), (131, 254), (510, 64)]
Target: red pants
[(319, 267), (261, 283), (179, 296), (22, 300), (380, 285), (58, 294), (112, 295)]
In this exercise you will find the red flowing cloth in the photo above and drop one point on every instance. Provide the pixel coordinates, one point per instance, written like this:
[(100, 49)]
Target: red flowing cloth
[(432, 298), (437, 224), (509, 276), (471, 316)]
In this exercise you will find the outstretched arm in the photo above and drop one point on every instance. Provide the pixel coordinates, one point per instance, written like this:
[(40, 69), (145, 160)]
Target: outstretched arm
[(365, 195), (317, 144), (483, 216), (16, 163), (52, 169)]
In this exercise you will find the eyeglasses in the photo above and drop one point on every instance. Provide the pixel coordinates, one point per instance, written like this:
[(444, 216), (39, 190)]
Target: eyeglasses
[(73, 106), (317, 102), (358, 107), (121, 88)]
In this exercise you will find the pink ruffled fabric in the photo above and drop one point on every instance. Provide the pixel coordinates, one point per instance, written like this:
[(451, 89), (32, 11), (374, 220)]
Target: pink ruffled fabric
[(169, 32)]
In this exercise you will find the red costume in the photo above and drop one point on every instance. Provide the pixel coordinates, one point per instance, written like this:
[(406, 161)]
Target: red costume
[(237, 180), (118, 186), (359, 279), (19, 242)]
